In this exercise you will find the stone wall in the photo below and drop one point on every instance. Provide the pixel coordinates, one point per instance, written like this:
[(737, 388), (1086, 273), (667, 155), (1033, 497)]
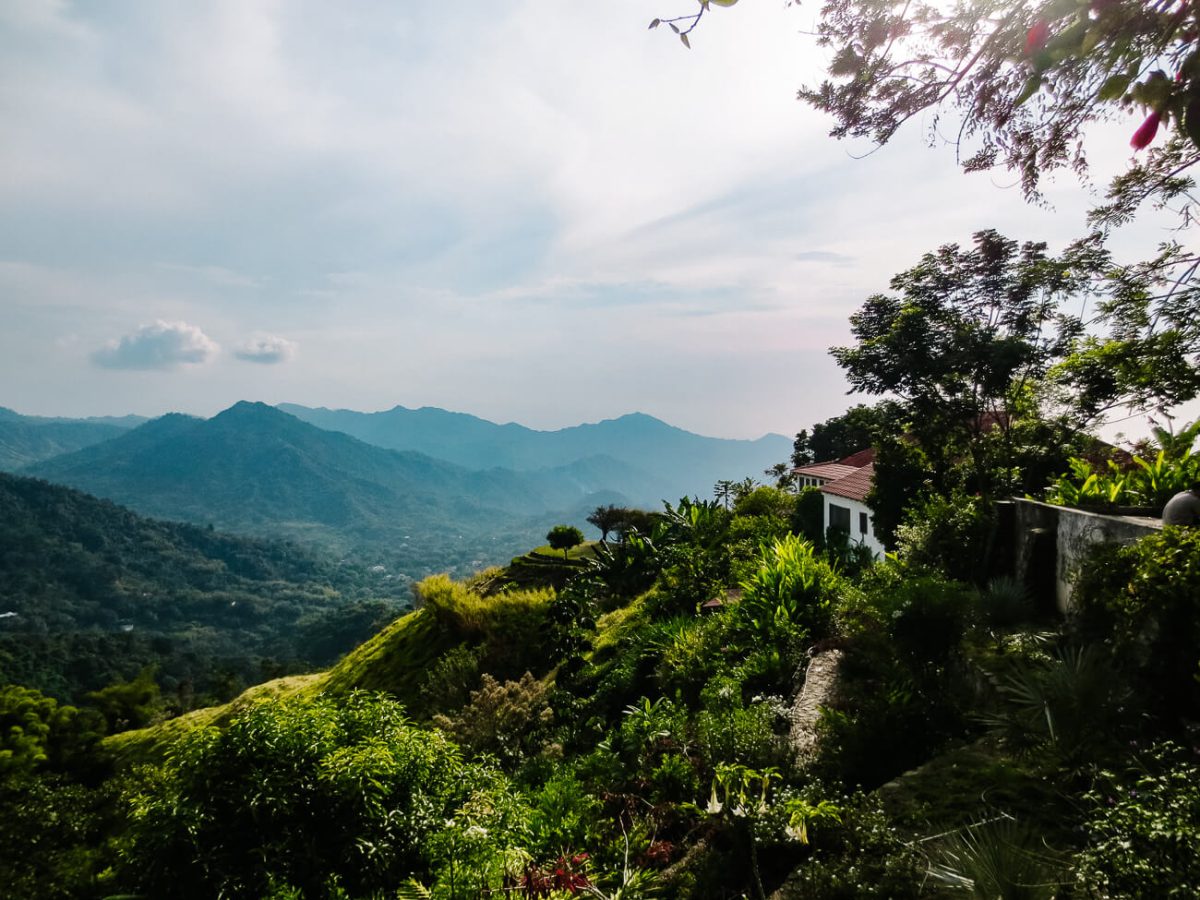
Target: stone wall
[(1045, 544)]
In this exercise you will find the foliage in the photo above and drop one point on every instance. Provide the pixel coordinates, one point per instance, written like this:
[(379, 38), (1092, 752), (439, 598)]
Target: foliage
[(1026, 81), (948, 534), (505, 720), (962, 340), (564, 537), (808, 517), (1141, 600), (793, 590), (925, 615), (858, 428), (733, 733), (299, 792), (997, 859), (1004, 601), (1142, 482), (857, 854), (36, 732), (903, 472), (114, 592), (1143, 828), (471, 615), (449, 681), (768, 502), (1066, 708), (608, 519), (128, 704), (54, 843)]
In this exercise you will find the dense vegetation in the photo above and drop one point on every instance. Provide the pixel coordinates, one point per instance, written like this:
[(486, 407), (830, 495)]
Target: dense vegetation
[(609, 738), (29, 439), (93, 593)]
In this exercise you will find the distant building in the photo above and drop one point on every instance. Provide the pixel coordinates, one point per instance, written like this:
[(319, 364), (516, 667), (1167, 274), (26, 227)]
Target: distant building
[(845, 485)]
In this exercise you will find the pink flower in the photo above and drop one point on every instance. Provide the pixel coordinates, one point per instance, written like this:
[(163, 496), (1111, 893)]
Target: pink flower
[(1036, 39), (1145, 133)]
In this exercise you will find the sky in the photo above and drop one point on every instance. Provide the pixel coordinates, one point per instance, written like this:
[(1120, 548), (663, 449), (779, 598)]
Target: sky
[(528, 210)]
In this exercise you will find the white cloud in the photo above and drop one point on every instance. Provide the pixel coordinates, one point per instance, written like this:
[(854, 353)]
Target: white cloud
[(267, 350), (163, 345)]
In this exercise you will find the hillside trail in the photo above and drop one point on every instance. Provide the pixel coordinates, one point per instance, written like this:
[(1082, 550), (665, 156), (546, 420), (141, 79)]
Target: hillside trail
[(819, 690)]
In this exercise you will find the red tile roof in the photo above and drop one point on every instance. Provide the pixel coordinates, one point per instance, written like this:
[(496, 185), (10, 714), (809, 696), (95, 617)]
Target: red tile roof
[(830, 470), (854, 486), (859, 459)]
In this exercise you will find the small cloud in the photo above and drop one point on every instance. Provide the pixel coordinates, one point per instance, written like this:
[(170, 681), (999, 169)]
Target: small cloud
[(163, 345), (267, 350), (837, 259)]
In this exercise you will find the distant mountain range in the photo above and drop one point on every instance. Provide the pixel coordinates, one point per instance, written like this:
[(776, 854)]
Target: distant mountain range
[(254, 469), (682, 463), (29, 439), (416, 490)]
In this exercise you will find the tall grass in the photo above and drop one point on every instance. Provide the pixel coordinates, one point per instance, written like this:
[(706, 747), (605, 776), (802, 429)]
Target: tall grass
[(470, 615)]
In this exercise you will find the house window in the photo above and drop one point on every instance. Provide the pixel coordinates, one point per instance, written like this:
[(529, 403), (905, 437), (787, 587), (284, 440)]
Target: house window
[(862, 523), (839, 517)]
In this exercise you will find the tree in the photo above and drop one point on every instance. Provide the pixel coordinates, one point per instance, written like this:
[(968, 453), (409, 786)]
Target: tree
[(840, 436), (1018, 85), (967, 344), (1025, 80), (723, 491), (564, 537), (294, 793), (606, 519)]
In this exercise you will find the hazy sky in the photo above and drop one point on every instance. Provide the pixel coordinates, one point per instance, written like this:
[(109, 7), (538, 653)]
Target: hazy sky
[(529, 210)]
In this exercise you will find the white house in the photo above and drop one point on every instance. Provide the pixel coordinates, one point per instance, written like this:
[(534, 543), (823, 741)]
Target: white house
[(845, 485)]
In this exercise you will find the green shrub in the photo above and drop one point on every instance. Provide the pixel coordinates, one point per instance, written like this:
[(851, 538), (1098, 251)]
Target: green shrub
[(808, 516), (1148, 482), (1066, 708), (947, 534), (449, 681), (793, 590), (563, 816), (296, 793), (925, 615), (729, 732), (688, 653), (1143, 829), (859, 854), (506, 720), (1142, 599)]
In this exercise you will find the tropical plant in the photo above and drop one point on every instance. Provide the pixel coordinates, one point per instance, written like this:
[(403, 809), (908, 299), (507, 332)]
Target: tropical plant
[(999, 858), (1067, 706), (792, 590)]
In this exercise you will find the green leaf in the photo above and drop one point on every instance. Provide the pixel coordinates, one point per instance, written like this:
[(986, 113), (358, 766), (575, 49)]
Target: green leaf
[(686, 42), (1191, 121), (1031, 87), (1114, 87)]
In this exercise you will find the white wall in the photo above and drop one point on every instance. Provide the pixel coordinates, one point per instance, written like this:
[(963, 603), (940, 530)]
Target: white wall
[(856, 508)]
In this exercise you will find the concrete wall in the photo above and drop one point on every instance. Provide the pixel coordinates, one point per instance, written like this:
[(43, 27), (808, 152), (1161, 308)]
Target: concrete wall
[(857, 536), (1049, 542)]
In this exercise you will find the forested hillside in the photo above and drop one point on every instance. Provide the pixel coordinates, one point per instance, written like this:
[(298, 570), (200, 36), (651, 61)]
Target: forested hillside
[(28, 439), (256, 470), (91, 592)]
